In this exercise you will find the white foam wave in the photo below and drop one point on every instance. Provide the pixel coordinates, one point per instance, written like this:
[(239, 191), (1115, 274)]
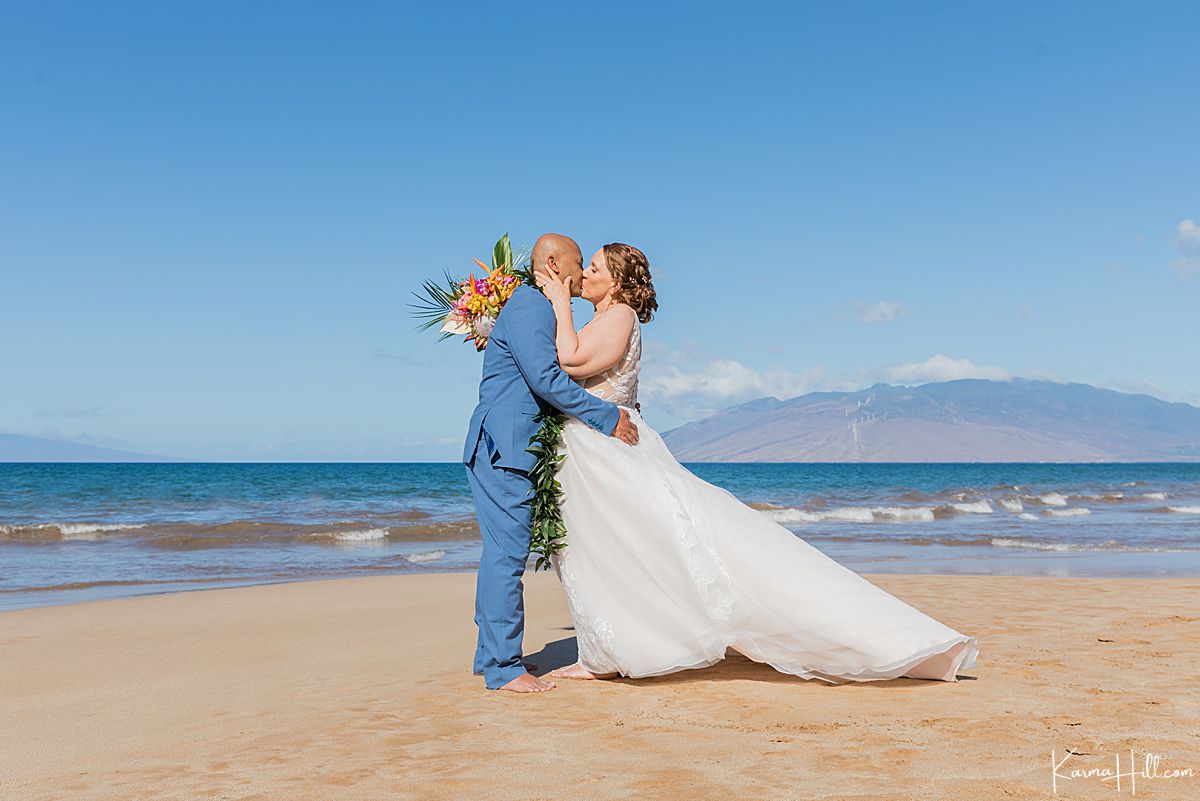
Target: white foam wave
[(1155, 496), (1001, 542), (88, 528), (1027, 516), (89, 531), (74, 531), (427, 556), (1107, 497), (853, 514), (973, 508), (850, 514), (1184, 510), (1109, 545), (11, 529), (1076, 512), (1051, 499), (907, 513), (362, 535), (791, 516), (1013, 505)]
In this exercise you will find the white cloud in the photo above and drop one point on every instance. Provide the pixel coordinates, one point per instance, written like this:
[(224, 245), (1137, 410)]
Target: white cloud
[(721, 383), (941, 368), (1187, 242), (1136, 387), (882, 312), (693, 388), (690, 387)]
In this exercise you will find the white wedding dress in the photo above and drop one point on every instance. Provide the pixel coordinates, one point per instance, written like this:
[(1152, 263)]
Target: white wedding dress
[(664, 571)]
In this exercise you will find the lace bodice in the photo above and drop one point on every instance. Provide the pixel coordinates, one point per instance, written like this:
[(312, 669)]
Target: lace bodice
[(619, 383)]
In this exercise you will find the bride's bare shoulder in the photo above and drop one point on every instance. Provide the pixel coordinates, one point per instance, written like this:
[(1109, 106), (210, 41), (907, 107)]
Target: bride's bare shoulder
[(620, 317), (626, 311), (616, 318)]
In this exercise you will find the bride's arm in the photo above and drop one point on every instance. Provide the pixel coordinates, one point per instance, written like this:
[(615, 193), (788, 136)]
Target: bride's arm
[(599, 346)]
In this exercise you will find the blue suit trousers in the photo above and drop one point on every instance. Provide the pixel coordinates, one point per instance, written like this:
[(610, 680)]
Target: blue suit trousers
[(503, 505)]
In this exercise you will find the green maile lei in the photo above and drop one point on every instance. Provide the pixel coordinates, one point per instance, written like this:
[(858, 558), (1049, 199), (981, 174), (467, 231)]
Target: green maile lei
[(547, 532)]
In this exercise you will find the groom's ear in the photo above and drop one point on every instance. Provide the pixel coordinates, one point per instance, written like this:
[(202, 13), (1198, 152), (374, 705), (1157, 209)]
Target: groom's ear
[(552, 264)]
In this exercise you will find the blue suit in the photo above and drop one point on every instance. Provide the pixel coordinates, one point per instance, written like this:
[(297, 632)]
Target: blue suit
[(521, 377)]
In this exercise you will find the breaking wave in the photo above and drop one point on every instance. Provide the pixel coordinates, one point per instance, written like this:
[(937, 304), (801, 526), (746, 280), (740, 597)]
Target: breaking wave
[(1049, 499), (973, 508), (1107, 546), (189, 536), (1077, 511), (427, 556), (360, 535), (853, 514)]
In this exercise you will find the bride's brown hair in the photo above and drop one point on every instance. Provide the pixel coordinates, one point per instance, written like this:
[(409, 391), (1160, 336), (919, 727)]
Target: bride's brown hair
[(631, 274)]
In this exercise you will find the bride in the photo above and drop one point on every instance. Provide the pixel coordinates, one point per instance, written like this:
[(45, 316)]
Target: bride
[(664, 571)]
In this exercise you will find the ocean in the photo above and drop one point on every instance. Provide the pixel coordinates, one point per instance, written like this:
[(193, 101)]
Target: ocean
[(72, 532)]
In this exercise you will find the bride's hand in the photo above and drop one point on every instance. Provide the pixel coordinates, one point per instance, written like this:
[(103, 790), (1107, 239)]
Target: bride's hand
[(556, 290)]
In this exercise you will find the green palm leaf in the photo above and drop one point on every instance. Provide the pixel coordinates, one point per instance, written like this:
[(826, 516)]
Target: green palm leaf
[(437, 301)]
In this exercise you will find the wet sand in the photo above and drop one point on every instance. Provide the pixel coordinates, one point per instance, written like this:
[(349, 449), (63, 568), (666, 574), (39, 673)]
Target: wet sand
[(361, 689)]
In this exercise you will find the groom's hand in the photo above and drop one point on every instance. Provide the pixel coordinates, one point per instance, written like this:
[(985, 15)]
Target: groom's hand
[(626, 430)]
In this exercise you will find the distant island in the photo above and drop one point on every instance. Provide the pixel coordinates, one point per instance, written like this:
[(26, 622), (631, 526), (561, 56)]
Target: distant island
[(969, 420), (19, 448)]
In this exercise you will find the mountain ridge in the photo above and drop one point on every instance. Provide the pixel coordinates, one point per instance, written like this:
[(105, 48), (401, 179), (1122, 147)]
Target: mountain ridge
[(965, 420), (25, 449)]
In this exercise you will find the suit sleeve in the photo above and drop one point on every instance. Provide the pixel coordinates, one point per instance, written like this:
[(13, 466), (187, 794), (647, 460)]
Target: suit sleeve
[(531, 342)]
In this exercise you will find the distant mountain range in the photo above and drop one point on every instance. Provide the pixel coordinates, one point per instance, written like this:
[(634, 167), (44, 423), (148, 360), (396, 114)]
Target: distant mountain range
[(18, 448), (969, 420)]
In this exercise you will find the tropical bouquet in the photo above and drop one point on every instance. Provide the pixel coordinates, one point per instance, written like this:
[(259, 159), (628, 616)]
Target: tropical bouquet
[(468, 307)]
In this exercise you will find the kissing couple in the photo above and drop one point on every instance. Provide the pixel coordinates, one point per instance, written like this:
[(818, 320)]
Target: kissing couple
[(662, 570)]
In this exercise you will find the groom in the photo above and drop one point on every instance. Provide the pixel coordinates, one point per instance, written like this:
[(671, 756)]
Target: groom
[(521, 377)]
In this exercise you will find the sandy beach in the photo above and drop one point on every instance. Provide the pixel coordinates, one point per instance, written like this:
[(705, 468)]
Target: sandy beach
[(361, 689)]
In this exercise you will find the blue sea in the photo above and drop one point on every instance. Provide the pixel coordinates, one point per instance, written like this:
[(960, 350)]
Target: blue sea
[(71, 532)]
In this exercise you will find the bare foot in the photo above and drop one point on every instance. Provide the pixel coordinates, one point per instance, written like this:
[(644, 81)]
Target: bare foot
[(576, 671), (528, 683)]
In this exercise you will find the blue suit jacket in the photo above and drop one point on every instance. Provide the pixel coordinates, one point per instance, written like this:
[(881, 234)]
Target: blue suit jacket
[(521, 377)]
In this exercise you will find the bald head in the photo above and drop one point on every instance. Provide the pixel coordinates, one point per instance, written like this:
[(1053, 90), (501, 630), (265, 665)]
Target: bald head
[(558, 256)]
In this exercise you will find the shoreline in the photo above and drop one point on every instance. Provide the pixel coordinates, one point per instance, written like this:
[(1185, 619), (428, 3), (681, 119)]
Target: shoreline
[(360, 688), (1096, 565), (72, 533)]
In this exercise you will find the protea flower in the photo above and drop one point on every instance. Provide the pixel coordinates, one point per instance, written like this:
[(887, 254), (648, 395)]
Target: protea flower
[(483, 325)]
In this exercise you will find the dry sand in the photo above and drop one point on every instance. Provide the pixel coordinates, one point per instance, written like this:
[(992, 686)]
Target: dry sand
[(361, 689)]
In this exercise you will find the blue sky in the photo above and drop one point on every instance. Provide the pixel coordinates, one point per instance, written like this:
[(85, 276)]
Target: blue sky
[(211, 217)]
